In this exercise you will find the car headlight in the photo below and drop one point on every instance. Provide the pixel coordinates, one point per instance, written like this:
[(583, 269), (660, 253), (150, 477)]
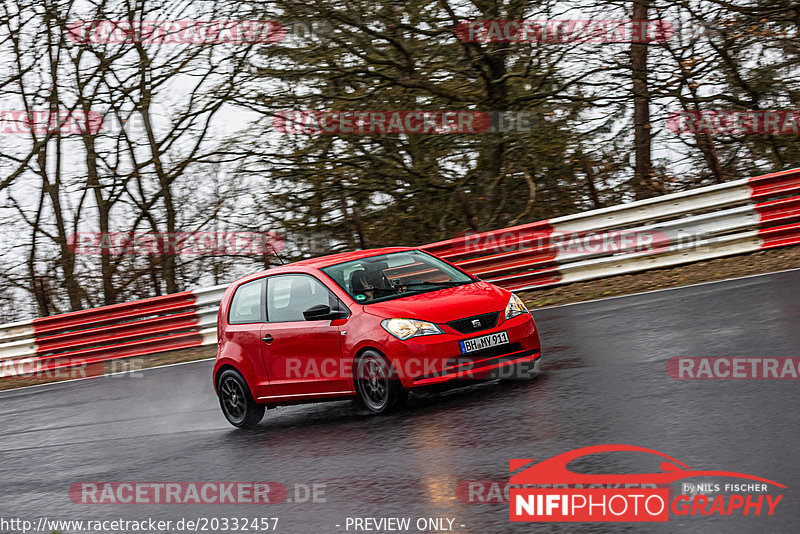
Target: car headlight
[(515, 307), (407, 328)]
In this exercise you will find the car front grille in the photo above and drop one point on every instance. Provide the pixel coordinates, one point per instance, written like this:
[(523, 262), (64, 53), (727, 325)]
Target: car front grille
[(475, 323)]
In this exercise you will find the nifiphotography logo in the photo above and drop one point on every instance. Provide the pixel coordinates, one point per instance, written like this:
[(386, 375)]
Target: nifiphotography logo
[(549, 491)]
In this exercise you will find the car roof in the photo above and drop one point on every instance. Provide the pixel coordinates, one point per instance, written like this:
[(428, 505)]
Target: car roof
[(322, 261)]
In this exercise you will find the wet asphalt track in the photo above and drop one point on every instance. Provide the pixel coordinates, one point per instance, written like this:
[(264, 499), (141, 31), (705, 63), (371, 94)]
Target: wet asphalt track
[(602, 380)]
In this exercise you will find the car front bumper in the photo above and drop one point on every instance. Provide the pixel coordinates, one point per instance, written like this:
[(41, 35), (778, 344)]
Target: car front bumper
[(437, 359)]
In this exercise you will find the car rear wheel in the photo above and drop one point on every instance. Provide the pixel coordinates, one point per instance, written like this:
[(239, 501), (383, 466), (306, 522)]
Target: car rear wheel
[(238, 405), (377, 384)]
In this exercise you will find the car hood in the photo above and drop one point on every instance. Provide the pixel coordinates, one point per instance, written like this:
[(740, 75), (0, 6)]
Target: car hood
[(444, 305)]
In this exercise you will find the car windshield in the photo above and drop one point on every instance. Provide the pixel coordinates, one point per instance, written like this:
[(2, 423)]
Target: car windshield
[(395, 275)]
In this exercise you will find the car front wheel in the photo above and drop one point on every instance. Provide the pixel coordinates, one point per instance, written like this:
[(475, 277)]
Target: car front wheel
[(377, 384), (238, 405)]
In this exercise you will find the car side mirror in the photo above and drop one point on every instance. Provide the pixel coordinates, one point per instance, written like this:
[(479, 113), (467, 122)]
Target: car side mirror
[(322, 312)]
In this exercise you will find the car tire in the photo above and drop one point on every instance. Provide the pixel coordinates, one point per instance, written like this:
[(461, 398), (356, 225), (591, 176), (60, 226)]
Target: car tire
[(377, 385), (236, 401)]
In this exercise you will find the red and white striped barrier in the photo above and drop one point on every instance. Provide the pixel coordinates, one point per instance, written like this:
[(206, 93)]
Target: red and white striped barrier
[(710, 222), (137, 328)]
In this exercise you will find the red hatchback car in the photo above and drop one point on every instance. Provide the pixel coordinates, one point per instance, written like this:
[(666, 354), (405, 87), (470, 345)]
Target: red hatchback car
[(371, 324)]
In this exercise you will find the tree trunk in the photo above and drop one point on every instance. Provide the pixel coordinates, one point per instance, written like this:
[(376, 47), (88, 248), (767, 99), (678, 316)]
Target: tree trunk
[(644, 184)]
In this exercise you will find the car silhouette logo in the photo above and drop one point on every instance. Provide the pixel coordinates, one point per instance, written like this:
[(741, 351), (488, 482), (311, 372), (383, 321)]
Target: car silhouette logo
[(554, 470)]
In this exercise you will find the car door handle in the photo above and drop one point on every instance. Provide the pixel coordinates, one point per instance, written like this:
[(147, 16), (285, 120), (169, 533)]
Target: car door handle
[(267, 339)]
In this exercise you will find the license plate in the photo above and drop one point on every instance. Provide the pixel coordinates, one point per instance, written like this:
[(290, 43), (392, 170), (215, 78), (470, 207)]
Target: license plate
[(484, 342)]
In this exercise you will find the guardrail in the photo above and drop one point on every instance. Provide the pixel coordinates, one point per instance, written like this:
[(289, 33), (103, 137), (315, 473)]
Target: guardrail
[(137, 328), (700, 224)]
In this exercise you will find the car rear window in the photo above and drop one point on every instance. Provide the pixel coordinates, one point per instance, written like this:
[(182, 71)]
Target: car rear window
[(247, 305)]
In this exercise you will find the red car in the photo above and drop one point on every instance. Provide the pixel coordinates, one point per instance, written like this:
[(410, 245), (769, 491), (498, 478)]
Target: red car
[(371, 324)]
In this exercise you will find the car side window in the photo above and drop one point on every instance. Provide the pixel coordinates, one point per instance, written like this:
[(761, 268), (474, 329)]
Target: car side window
[(247, 304), (289, 295)]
